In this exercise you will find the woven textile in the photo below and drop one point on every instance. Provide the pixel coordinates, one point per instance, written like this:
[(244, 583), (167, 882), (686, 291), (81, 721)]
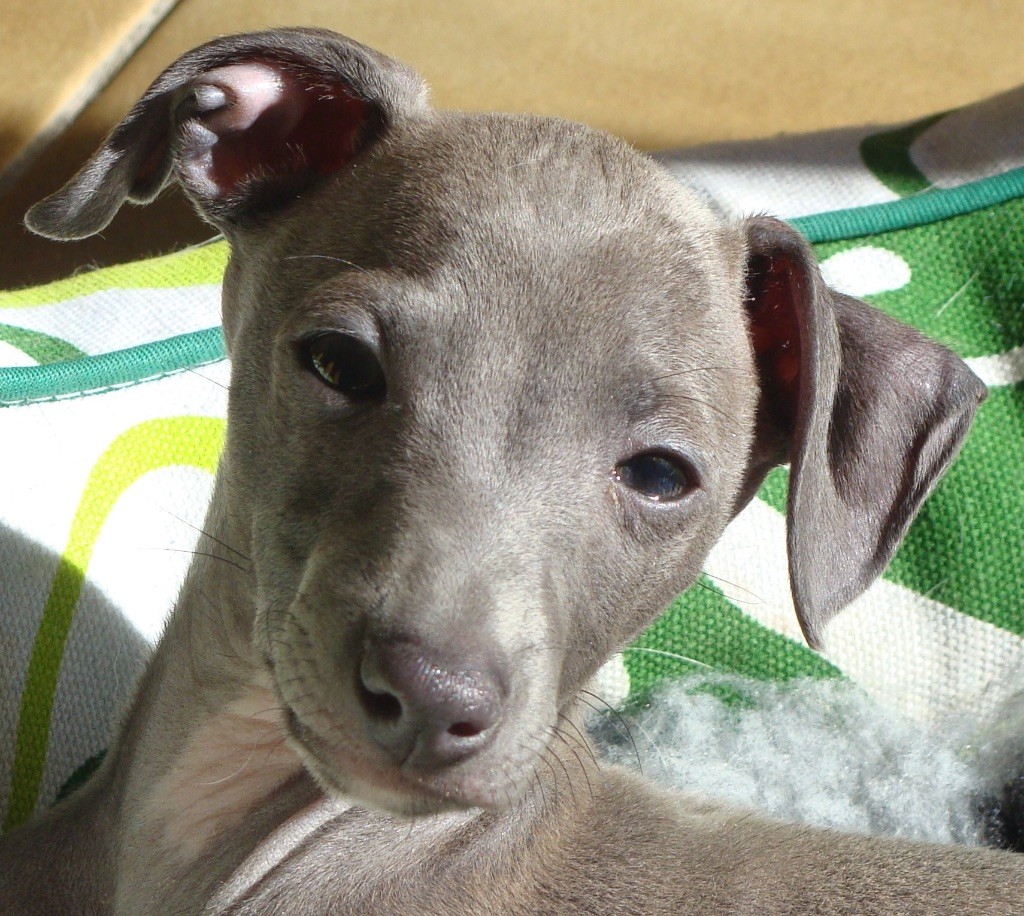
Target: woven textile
[(112, 400)]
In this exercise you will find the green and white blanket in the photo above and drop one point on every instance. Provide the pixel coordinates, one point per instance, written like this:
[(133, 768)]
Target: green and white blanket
[(112, 405)]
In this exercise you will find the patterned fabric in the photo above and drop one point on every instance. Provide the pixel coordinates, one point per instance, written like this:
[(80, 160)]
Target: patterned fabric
[(931, 230), (112, 419), (113, 397)]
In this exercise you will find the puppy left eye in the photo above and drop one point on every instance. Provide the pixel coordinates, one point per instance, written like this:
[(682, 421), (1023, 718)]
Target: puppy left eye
[(658, 476), (346, 364)]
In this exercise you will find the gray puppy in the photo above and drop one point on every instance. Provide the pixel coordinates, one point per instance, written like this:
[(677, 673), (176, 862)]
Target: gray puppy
[(498, 385)]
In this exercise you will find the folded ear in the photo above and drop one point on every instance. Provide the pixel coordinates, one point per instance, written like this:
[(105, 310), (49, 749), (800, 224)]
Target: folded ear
[(868, 412), (245, 123)]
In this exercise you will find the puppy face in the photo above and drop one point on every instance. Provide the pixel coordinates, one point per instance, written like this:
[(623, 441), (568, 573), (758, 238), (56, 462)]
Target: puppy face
[(498, 385), (494, 403)]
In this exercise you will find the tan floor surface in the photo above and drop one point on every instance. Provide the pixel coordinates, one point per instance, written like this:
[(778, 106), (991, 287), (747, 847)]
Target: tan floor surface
[(659, 72)]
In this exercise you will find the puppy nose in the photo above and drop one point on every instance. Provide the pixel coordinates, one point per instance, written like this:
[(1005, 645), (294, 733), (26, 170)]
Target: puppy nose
[(424, 709)]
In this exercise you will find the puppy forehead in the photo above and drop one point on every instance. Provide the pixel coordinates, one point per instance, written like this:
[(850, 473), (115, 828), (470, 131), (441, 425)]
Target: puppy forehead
[(527, 183), (536, 220), (526, 246)]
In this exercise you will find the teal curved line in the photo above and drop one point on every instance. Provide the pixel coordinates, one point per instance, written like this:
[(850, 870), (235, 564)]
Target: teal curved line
[(911, 212), (43, 348), (94, 373)]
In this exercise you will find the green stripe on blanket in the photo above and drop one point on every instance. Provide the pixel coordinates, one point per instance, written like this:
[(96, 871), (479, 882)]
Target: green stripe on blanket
[(202, 264)]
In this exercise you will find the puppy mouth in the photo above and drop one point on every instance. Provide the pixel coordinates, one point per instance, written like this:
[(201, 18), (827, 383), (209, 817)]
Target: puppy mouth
[(386, 787)]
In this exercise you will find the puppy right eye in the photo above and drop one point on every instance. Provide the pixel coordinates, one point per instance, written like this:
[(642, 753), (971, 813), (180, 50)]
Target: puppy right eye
[(346, 364), (661, 477)]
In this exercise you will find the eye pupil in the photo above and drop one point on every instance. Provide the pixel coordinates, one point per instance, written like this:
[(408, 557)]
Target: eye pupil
[(659, 478), (346, 364)]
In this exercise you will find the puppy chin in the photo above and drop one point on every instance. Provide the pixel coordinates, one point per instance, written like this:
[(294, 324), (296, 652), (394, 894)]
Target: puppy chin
[(374, 796), (394, 791), (407, 799)]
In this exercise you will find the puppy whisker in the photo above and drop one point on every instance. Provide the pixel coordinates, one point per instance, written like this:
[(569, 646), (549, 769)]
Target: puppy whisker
[(619, 718), (206, 534), (325, 257), (666, 654), (201, 553)]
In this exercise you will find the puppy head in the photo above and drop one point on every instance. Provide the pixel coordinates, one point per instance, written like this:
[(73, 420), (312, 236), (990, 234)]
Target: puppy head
[(498, 385)]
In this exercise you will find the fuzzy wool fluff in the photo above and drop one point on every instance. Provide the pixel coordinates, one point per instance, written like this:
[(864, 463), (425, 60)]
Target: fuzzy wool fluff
[(820, 752)]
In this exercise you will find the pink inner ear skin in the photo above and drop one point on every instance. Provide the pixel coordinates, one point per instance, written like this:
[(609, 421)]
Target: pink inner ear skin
[(276, 122), (251, 89), (775, 331)]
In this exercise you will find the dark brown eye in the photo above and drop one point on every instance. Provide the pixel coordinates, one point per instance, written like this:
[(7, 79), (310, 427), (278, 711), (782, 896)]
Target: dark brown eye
[(346, 364), (658, 476)]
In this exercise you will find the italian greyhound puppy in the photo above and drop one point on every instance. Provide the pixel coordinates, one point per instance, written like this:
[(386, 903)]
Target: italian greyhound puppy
[(498, 384)]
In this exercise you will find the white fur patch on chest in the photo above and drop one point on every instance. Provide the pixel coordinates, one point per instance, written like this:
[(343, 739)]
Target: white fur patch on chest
[(231, 763)]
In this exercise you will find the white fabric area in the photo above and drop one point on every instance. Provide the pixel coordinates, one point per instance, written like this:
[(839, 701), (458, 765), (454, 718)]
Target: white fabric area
[(790, 176), (115, 319), (783, 176), (137, 564), (865, 271), (976, 670), (13, 357)]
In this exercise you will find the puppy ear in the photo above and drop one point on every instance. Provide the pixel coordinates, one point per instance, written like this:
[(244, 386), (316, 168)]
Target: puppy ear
[(245, 123), (868, 412)]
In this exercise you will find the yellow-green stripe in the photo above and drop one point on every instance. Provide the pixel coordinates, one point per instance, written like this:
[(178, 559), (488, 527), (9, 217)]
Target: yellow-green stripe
[(188, 440)]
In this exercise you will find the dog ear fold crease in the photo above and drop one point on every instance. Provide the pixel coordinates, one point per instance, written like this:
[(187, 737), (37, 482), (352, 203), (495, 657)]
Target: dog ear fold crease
[(880, 412)]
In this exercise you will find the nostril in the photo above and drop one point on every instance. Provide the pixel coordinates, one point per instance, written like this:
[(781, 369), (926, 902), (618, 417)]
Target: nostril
[(380, 705), (464, 730), (424, 710)]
